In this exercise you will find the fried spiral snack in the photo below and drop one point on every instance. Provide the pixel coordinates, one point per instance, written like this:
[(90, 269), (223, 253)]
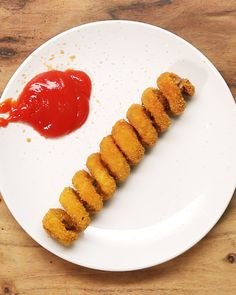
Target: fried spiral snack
[(126, 139), (139, 119), (118, 152), (156, 104), (105, 181), (84, 184), (117, 164), (60, 226), (74, 208)]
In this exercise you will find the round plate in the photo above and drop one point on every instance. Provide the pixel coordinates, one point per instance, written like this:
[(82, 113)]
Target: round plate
[(183, 185)]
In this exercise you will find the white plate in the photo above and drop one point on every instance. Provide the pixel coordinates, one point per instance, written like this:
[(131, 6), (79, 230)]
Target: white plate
[(181, 188)]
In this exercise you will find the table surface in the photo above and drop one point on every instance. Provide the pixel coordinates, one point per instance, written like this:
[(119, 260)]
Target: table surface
[(210, 266)]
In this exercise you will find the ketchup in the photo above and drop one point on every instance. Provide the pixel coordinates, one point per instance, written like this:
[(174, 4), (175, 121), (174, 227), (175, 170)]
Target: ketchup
[(54, 103)]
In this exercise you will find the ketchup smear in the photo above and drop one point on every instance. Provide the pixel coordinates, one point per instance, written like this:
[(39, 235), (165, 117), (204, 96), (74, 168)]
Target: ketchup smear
[(54, 103)]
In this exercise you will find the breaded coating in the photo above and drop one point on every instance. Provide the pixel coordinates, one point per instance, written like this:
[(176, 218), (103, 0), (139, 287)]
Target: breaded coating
[(162, 99), (100, 173), (114, 159), (174, 77), (153, 101), (84, 184), (127, 140), (142, 124), (73, 206), (187, 87), (184, 85), (168, 86), (60, 226)]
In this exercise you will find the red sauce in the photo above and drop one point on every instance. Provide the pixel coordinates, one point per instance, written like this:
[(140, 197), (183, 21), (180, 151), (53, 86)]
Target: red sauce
[(54, 103)]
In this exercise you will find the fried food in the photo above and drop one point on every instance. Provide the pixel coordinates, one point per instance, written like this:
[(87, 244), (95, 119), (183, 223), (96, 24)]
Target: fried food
[(84, 184), (169, 87), (124, 147), (60, 226), (105, 181), (114, 159), (184, 85), (74, 208), (155, 104), (127, 140), (142, 124)]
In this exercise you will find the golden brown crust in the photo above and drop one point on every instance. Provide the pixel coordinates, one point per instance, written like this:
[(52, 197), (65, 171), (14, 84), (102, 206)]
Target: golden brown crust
[(142, 124), (187, 87), (114, 159), (84, 184), (153, 101), (100, 173), (60, 226), (184, 85), (168, 85), (74, 207), (126, 139), (162, 99)]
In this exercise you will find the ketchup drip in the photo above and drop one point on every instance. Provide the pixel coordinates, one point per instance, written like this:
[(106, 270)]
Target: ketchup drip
[(54, 103)]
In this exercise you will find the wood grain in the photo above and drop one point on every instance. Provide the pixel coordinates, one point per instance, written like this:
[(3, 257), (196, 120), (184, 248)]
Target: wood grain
[(210, 266)]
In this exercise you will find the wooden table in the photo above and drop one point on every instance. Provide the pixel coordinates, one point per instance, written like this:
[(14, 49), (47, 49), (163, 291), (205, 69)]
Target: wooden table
[(207, 268)]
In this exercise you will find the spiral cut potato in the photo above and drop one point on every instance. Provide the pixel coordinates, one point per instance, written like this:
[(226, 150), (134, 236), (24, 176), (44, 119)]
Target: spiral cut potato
[(172, 87), (105, 181), (119, 151), (60, 226), (156, 105), (138, 118), (74, 208), (117, 164), (84, 184), (127, 140)]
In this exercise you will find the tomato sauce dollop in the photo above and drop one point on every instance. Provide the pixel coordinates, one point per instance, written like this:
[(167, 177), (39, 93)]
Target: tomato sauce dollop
[(54, 103)]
